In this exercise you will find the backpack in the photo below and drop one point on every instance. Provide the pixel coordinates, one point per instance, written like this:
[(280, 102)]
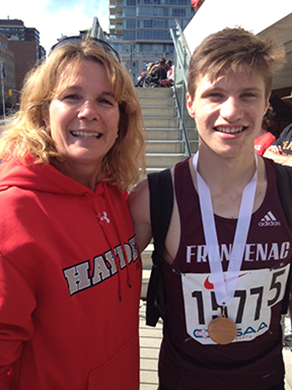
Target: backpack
[(161, 204)]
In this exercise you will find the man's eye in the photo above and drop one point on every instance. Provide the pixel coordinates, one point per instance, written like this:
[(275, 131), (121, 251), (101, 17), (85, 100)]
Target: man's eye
[(215, 95), (248, 94)]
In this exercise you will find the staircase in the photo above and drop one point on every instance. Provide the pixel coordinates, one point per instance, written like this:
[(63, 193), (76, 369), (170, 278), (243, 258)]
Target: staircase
[(164, 147)]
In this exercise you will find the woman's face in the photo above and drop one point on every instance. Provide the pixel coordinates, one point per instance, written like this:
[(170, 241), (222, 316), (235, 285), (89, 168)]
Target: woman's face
[(83, 119)]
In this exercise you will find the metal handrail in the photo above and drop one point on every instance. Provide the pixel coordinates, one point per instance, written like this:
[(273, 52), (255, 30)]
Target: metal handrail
[(182, 61)]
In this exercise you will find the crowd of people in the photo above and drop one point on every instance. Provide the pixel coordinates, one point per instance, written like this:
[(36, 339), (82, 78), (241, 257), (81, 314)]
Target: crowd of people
[(74, 222), (158, 74)]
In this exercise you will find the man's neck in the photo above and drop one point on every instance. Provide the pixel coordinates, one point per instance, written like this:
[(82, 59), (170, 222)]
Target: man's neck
[(227, 172), (227, 178)]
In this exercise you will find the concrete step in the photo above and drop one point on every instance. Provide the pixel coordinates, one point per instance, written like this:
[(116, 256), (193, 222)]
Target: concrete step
[(158, 111), (190, 123), (163, 133), (170, 146), (162, 146), (147, 265), (157, 92), (194, 146), (146, 257), (151, 170), (157, 122), (163, 160), (150, 101), (145, 282)]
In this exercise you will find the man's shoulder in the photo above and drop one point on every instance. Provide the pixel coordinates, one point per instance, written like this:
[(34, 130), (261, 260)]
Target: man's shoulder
[(287, 132)]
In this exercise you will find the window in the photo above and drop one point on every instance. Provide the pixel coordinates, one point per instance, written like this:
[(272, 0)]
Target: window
[(178, 12), (144, 11), (158, 11), (129, 35), (129, 23), (159, 23), (148, 23), (129, 12)]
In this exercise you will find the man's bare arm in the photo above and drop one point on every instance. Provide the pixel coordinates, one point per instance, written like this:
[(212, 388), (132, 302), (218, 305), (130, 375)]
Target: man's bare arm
[(139, 205), (275, 153)]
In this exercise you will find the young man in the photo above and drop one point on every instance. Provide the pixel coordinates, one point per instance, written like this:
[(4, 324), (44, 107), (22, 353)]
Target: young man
[(225, 266)]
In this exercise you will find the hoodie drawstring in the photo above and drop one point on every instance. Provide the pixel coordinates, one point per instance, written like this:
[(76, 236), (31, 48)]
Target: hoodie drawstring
[(119, 235), (116, 226)]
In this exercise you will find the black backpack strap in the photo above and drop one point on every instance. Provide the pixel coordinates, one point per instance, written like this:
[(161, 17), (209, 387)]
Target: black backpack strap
[(161, 203), (284, 182)]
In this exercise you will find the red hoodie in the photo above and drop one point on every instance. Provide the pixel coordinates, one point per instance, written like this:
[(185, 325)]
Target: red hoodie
[(68, 297)]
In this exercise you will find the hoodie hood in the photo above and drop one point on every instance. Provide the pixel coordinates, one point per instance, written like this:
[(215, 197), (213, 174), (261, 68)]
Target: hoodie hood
[(38, 177)]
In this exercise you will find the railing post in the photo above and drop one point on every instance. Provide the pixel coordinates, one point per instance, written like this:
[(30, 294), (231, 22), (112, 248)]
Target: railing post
[(181, 64)]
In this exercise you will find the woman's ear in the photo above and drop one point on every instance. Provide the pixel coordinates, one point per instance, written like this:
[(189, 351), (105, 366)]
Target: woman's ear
[(45, 116), (190, 105)]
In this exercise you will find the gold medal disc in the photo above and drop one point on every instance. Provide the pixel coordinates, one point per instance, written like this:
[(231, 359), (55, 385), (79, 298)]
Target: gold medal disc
[(222, 330)]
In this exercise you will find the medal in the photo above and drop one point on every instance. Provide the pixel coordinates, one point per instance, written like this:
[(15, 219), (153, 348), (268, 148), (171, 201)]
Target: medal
[(225, 287), (222, 330)]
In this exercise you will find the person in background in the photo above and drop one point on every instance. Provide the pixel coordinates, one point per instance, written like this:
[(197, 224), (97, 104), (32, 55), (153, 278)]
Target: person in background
[(265, 138), (157, 73), (196, 4), (168, 82), (70, 271), (144, 74), (281, 150), (225, 271)]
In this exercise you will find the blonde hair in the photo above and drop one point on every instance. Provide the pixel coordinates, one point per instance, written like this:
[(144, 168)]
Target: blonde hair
[(235, 49), (25, 133)]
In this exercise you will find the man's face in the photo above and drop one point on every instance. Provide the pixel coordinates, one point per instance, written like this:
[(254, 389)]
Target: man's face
[(229, 112)]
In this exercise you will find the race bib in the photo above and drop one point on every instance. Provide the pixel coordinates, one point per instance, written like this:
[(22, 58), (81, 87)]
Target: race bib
[(257, 291)]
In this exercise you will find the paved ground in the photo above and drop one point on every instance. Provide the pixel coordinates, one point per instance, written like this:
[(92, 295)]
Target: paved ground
[(150, 339)]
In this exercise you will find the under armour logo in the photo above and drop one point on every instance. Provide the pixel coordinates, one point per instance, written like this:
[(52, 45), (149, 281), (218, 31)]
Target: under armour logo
[(103, 217)]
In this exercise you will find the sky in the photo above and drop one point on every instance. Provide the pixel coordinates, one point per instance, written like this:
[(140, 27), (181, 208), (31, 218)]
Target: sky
[(52, 18)]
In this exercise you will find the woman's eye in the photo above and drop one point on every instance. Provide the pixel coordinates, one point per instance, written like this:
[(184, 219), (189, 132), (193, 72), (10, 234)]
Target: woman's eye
[(106, 102), (71, 97)]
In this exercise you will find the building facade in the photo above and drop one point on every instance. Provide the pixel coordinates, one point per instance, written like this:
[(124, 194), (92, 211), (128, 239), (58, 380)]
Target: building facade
[(25, 44), (7, 73), (140, 29)]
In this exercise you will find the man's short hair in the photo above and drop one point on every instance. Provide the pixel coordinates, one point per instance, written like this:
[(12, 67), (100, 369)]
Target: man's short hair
[(235, 49)]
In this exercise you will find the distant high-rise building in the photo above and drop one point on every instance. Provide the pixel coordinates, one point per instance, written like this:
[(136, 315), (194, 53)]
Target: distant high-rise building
[(7, 73), (25, 44), (140, 29)]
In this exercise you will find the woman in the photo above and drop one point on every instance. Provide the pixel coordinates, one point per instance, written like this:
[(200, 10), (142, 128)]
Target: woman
[(70, 272)]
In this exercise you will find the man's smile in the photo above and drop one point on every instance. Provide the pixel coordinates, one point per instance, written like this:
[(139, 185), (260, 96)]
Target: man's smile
[(230, 130)]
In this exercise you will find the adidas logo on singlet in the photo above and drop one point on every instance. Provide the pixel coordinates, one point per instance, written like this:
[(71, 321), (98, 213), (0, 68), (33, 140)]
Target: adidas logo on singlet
[(269, 220)]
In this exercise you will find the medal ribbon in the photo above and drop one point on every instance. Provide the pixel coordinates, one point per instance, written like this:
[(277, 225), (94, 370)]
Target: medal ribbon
[(225, 289)]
